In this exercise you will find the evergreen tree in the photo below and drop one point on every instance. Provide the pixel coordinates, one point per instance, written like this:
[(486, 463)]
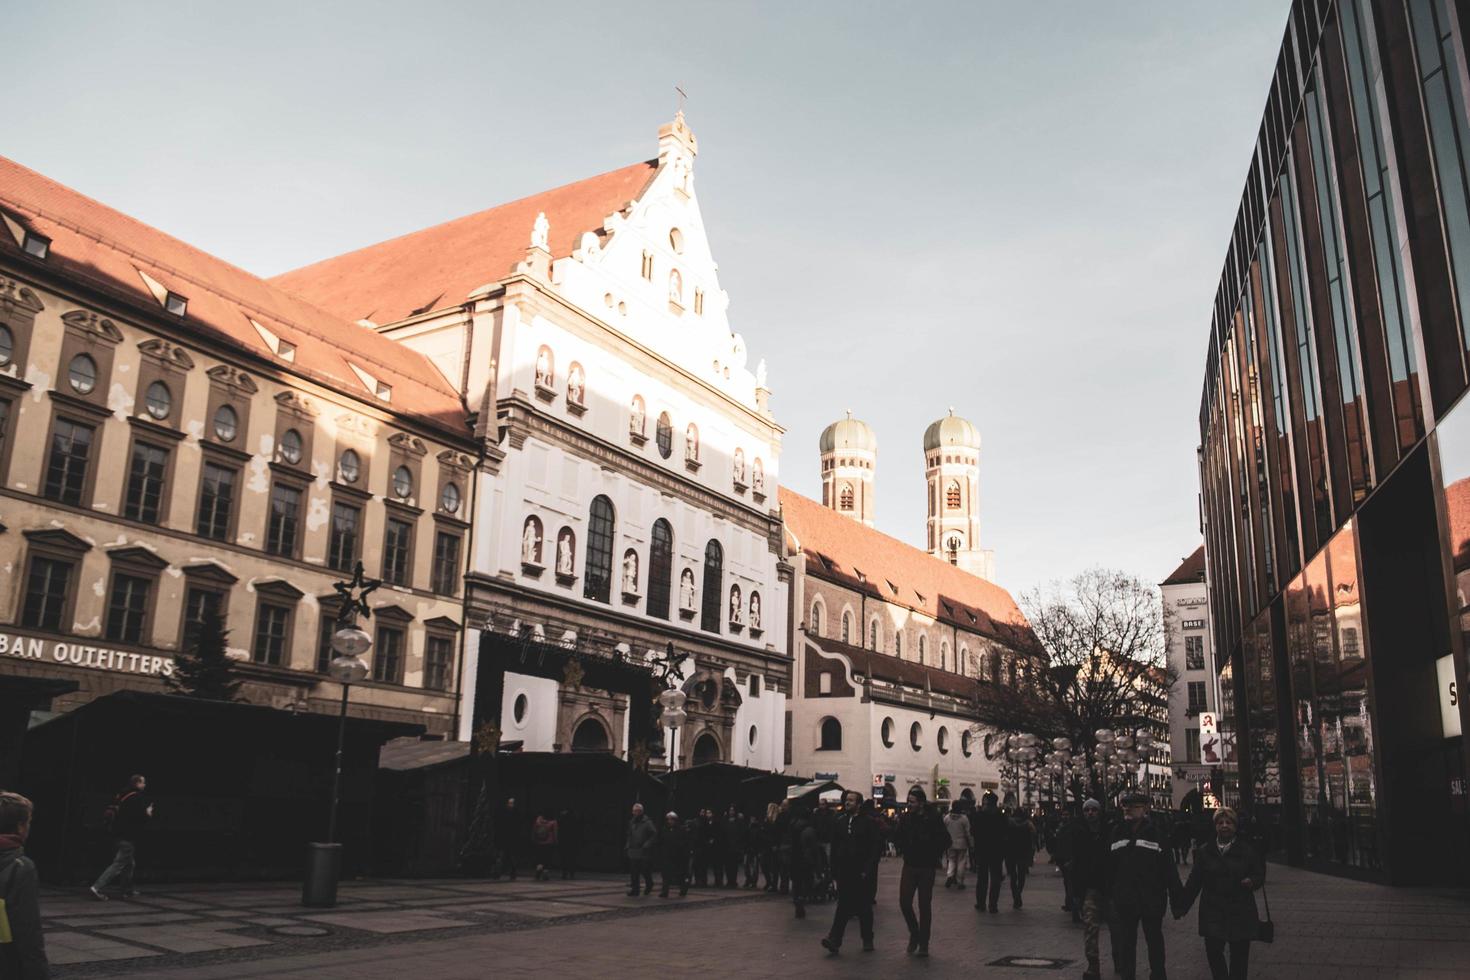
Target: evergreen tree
[(204, 668)]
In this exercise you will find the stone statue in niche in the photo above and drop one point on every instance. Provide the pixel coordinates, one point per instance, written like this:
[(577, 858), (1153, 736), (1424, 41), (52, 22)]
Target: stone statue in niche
[(686, 589), (739, 466), (760, 373), (541, 232), (564, 552), (531, 542), (755, 610), (544, 377), (676, 287), (691, 443), (758, 475), (630, 572), (636, 416), (577, 385), (735, 610)]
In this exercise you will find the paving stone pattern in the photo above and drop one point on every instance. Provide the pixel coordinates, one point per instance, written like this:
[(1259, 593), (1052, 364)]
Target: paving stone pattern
[(1327, 927)]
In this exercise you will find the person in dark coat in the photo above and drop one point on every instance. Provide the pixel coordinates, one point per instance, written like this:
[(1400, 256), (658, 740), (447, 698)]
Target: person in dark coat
[(781, 847), (642, 836), (1088, 868), (705, 836), (673, 856), (1142, 883), (733, 834), (1227, 871), (509, 827), (755, 846), (24, 957), (854, 842), (1060, 849), (923, 839), (130, 812), (804, 857), (1183, 837), (1020, 851), (988, 830)]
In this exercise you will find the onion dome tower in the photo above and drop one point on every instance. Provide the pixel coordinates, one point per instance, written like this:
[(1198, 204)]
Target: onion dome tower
[(952, 468), (849, 453)]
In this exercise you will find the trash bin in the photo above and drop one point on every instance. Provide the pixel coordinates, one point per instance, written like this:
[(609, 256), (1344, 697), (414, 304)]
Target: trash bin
[(323, 867)]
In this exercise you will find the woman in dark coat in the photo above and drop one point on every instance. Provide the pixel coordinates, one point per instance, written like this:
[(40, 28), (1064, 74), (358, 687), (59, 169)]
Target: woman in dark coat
[(1227, 871)]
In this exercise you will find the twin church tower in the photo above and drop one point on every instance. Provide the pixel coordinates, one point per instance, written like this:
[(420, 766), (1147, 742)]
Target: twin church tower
[(849, 452)]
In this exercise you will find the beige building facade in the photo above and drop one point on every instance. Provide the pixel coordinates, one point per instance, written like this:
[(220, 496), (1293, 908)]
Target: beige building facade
[(177, 434)]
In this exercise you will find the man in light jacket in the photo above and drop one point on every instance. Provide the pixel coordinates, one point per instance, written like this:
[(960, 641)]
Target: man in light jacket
[(642, 836), (957, 857)]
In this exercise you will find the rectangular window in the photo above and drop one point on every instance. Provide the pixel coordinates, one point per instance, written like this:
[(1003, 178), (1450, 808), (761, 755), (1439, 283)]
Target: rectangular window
[(446, 563), (397, 542), (196, 604), (438, 655), (285, 517), (326, 629), (272, 634), (342, 546), (146, 473), (216, 502), (127, 608), (1194, 653), (388, 656), (1196, 696), (1191, 745), (46, 588), (66, 471)]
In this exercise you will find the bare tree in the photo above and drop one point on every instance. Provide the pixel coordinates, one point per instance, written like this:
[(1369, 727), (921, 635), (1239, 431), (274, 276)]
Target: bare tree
[(1104, 638)]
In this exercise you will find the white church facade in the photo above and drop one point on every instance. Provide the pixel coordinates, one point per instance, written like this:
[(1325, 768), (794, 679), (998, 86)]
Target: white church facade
[(627, 500)]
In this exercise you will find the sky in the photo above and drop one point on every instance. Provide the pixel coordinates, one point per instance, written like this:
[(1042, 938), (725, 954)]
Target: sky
[(1017, 210)]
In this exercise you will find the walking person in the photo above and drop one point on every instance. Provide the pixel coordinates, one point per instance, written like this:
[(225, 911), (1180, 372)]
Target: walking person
[(804, 858), (544, 841), (1226, 873), (854, 842), (673, 856), (703, 847), (127, 818), (732, 845), (1142, 882), (957, 855), (988, 831), (1060, 849), (1020, 851), (642, 836), (924, 840), (755, 845), (781, 831), (23, 955), (1089, 871)]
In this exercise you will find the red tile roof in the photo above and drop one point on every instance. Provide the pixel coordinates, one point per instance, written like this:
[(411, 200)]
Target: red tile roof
[(97, 246), (841, 550), (1191, 569), (438, 267)]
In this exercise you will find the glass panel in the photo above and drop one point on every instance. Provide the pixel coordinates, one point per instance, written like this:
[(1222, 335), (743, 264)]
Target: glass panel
[(598, 571), (46, 593), (66, 472), (126, 608), (714, 570), (342, 546), (145, 483), (216, 496), (661, 569)]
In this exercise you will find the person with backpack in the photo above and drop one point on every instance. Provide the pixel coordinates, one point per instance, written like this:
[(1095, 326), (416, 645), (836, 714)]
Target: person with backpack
[(22, 946), (126, 817), (544, 840)]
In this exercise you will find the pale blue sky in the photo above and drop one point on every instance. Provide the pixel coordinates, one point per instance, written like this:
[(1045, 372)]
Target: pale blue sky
[(1018, 209)]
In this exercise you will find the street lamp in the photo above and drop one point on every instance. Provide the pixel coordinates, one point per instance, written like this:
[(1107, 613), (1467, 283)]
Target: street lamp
[(672, 718), (349, 642)]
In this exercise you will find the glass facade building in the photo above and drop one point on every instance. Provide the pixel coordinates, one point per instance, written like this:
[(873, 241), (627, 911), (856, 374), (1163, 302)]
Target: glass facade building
[(1335, 447)]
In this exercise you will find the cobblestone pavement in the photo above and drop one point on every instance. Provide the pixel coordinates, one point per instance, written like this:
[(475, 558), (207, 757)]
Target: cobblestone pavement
[(1327, 927)]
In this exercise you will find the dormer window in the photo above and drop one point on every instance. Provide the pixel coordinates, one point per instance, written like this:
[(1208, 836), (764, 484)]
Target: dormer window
[(36, 246), (286, 350), (175, 304), (385, 391)]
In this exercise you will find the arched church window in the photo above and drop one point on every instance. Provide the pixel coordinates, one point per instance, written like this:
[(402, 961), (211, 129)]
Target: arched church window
[(952, 495), (714, 592), (846, 628), (597, 570), (816, 623), (845, 496), (660, 568), (873, 635), (665, 435)]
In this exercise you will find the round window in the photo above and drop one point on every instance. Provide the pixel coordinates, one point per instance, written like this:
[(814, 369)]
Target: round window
[(7, 345), (888, 732), (349, 466), (226, 423), (664, 435), (965, 744), (449, 498), (752, 736), (915, 733), (82, 374), (521, 706), (159, 401), (402, 483), (943, 739), (291, 446)]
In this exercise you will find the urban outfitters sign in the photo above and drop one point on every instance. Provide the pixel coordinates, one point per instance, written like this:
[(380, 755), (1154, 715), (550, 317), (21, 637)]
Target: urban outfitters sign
[(82, 655)]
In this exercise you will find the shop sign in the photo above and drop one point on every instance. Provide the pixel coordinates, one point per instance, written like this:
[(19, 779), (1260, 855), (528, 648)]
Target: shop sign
[(82, 655), (1449, 696), (826, 777), (1194, 624)]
